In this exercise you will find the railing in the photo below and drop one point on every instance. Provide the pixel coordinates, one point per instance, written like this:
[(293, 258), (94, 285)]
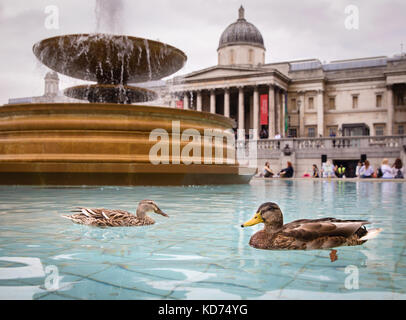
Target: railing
[(336, 143), (327, 143)]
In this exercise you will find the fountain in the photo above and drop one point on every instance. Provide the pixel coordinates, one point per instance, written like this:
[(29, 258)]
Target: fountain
[(112, 61), (107, 141)]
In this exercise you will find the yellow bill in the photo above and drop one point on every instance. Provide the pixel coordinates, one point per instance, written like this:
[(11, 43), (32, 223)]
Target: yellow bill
[(255, 220)]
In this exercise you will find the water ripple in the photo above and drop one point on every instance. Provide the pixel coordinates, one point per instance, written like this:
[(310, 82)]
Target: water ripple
[(200, 252)]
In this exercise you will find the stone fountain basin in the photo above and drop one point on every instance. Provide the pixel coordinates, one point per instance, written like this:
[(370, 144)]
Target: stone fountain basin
[(109, 59), (102, 144), (100, 93)]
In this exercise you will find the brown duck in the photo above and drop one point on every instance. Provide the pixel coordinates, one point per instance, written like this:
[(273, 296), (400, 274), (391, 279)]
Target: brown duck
[(305, 234), (116, 218)]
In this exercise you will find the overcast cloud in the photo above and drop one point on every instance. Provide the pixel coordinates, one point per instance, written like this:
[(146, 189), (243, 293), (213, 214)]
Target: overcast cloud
[(292, 30)]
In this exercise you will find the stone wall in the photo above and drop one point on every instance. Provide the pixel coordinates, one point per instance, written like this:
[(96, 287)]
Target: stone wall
[(306, 152)]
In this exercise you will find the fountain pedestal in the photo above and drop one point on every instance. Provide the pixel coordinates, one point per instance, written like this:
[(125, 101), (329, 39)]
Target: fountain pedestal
[(102, 144)]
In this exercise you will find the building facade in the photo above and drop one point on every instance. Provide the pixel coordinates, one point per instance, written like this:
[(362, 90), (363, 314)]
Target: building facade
[(301, 111), (307, 98), (52, 93)]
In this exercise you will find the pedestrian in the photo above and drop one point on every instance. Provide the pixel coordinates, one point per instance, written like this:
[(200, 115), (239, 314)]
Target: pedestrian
[(358, 168), (287, 172), (386, 170), (328, 170), (398, 169), (267, 173), (341, 171), (367, 170), (316, 173)]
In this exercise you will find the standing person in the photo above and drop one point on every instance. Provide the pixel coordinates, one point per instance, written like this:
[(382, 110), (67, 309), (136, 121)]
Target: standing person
[(287, 172), (367, 170), (264, 133), (387, 172), (358, 168), (316, 173), (278, 136), (397, 169)]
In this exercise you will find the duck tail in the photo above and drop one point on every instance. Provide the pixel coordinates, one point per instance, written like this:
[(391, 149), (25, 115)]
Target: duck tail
[(67, 217), (371, 234)]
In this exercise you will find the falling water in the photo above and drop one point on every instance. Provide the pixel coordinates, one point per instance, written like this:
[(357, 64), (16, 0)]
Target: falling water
[(148, 58), (119, 59), (109, 16)]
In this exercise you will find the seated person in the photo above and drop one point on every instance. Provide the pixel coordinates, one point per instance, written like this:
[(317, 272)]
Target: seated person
[(316, 173), (386, 170), (287, 172), (340, 171), (398, 169), (328, 170), (358, 168), (267, 173), (367, 170)]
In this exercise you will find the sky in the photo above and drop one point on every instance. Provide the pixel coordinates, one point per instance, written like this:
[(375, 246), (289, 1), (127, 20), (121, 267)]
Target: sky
[(292, 30)]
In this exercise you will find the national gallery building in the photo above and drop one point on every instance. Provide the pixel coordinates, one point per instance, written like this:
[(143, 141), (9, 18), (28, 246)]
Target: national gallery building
[(306, 98), (305, 112)]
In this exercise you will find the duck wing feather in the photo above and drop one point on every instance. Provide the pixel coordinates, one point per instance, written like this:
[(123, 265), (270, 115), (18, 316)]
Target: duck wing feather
[(308, 230), (102, 214)]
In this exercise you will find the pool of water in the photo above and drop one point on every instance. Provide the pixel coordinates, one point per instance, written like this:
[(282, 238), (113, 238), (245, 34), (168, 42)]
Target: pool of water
[(200, 252)]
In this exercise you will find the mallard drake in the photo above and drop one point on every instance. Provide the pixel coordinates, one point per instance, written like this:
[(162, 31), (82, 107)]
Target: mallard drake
[(116, 218), (305, 234)]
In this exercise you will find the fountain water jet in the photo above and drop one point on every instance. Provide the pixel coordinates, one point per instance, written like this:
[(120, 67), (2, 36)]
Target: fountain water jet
[(109, 14)]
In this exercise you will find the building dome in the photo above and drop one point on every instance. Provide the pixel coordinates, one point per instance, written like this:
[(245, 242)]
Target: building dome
[(241, 44), (241, 32)]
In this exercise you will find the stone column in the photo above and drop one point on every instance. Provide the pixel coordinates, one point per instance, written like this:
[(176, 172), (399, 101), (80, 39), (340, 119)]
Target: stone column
[(277, 111), (271, 120), (320, 113), (391, 110), (301, 114), (227, 102), (241, 131), (172, 103), (283, 115), (255, 117), (199, 100), (212, 101), (186, 101)]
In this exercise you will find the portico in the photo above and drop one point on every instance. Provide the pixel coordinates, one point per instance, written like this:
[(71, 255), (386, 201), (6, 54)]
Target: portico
[(305, 98), (240, 102)]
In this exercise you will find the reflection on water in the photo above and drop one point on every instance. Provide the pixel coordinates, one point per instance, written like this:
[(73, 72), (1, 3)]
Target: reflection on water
[(200, 252), (18, 269)]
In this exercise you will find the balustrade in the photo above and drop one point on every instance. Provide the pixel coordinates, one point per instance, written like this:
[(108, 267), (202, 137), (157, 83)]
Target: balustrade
[(325, 144)]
